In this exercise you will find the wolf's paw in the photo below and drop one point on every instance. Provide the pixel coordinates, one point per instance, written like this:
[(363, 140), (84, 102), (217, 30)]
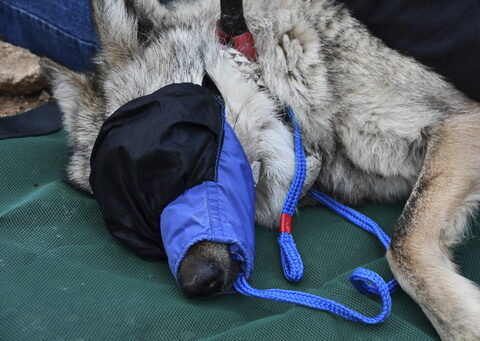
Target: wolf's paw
[(290, 51), (274, 180), (297, 50), (314, 164), (275, 175)]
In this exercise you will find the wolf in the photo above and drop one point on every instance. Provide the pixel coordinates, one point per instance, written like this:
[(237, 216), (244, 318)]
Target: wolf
[(377, 125)]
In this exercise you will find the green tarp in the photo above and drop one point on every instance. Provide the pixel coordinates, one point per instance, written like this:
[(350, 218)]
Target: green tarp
[(63, 277)]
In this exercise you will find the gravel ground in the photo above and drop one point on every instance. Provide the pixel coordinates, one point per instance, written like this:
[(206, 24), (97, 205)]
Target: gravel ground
[(12, 105)]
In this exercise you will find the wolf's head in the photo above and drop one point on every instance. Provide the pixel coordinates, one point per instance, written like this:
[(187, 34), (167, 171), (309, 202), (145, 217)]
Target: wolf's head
[(145, 46)]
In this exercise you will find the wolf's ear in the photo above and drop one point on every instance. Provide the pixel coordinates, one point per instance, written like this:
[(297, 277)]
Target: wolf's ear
[(73, 91), (123, 26)]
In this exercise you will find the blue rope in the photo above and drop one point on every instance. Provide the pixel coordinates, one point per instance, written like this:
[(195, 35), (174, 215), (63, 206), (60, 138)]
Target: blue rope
[(361, 221), (296, 187), (365, 281), (353, 216), (291, 260)]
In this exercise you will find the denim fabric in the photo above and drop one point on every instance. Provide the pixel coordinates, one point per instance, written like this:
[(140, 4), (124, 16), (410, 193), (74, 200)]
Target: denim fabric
[(59, 29)]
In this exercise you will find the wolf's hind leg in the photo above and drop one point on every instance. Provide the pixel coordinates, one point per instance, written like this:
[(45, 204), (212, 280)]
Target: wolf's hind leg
[(433, 220)]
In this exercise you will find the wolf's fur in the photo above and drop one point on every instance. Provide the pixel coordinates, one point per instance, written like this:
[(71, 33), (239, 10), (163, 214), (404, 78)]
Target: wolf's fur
[(373, 121)]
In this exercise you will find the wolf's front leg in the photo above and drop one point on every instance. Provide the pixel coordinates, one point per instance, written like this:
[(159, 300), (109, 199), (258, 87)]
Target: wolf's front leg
[(270, 149), (433, 220), (266, 138), (277, 170)]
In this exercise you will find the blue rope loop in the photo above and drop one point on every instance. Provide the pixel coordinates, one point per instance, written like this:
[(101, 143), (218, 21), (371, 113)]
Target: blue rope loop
[(291, 260), (360, 275)]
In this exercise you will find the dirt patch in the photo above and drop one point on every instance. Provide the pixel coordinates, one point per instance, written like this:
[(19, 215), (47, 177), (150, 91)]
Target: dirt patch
[(23, 86), (12, 105)]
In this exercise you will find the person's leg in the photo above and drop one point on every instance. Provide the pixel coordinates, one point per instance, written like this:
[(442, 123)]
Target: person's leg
[(59, 29), (442, 34)]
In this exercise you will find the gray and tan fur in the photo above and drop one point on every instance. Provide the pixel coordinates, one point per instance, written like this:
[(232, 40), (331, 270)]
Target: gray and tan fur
[(377, 125)]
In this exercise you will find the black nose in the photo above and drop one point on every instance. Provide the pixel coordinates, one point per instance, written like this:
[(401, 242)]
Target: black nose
[(204, 279)]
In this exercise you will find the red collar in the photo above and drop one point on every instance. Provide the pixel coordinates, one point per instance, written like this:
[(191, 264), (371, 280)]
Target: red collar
[(243, 43)]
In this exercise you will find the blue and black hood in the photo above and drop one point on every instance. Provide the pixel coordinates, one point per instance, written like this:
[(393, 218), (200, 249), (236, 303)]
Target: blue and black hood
[(168, 171)]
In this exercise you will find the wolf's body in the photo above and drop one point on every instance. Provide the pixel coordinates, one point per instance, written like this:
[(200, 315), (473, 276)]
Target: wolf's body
[(376, 124)]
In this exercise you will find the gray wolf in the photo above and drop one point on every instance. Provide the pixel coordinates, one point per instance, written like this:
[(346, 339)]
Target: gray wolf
[(377, 126)]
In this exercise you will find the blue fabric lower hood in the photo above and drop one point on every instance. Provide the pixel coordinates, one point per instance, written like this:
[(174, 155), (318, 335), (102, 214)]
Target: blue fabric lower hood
[(168, 171), (217, 211)]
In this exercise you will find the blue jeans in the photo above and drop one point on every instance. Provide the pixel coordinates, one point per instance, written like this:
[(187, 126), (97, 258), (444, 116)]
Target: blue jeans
[(59, 29), (443, 34)]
